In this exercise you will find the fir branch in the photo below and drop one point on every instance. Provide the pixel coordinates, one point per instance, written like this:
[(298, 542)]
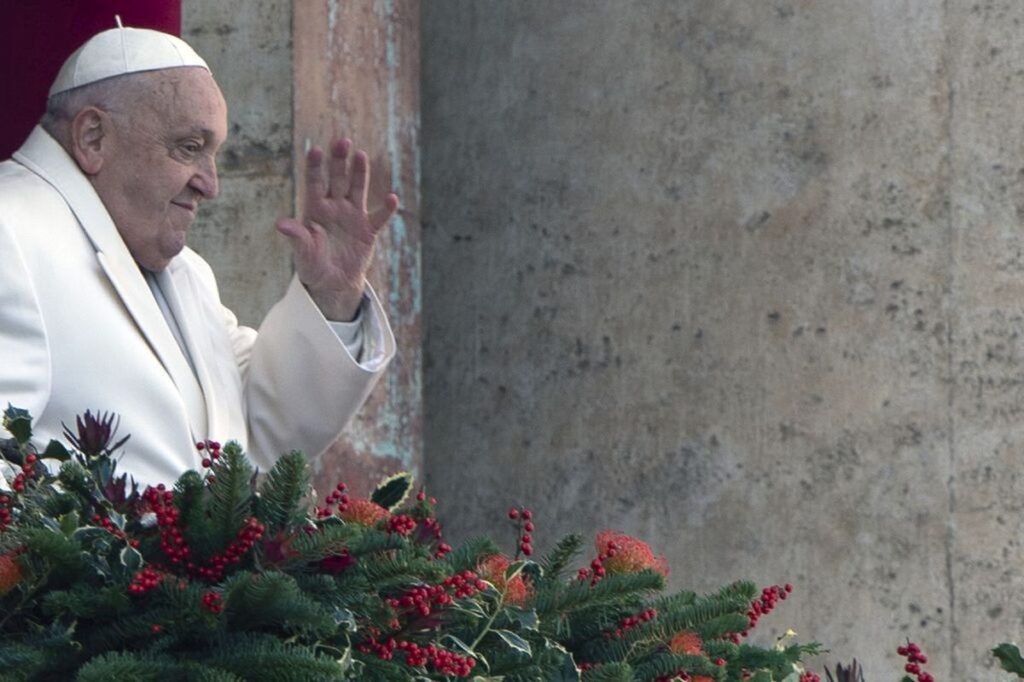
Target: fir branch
[(468, 555), (86, 602), (230, 494), (19, 661), (272, 599), (190, 499), (610, 672), (327, 540), (61, 553), (282, 492), (555, 562), (666, 664), (265, 658), (610, 591), (125, 665)]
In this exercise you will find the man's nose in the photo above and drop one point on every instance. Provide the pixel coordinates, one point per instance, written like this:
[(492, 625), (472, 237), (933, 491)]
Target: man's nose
[(205, 181)]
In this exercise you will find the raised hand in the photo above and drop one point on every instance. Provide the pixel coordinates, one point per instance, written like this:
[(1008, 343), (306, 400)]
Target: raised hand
[(333, 243)]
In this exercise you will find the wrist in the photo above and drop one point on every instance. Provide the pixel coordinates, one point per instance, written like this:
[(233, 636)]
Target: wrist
[(337, 306)]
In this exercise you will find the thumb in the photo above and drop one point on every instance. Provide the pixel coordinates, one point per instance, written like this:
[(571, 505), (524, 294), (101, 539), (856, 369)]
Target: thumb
[(294, 230)]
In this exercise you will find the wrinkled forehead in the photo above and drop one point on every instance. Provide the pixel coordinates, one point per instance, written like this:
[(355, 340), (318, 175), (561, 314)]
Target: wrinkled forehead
[(186, 96)]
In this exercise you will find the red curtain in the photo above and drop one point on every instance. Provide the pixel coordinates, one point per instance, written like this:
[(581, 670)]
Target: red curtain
[(36, 36)]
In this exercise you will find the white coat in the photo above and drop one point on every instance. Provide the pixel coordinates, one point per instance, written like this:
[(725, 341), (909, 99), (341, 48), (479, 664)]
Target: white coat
[(80, 329)]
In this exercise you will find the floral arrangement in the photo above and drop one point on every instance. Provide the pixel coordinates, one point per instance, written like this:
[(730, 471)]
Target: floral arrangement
[(230, 576)]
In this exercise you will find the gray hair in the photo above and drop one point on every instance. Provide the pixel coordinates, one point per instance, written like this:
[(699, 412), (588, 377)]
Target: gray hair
[(119, 93)]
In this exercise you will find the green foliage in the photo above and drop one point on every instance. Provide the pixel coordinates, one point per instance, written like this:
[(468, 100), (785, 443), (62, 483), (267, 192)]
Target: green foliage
[(282, 492), (392, 491), (555, 562), (272, 600), (269, 591), (1009, 658), (230, 493)]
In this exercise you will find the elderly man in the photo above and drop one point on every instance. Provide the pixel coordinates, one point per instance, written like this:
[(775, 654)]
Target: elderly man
[(103, 306)]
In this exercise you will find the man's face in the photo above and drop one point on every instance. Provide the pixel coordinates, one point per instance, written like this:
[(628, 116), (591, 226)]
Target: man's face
[(161, 162)]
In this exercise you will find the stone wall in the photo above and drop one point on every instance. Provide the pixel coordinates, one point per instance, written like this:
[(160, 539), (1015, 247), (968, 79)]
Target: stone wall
[(294, 75), (744, 279)]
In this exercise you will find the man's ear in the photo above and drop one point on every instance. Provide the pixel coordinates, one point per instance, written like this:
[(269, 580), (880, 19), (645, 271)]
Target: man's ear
[(90, 139)]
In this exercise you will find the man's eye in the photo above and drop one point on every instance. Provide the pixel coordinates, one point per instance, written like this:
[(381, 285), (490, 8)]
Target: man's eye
[(192, 147)]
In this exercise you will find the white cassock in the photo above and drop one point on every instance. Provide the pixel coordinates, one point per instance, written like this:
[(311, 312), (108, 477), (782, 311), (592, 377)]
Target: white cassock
[(80, 328)]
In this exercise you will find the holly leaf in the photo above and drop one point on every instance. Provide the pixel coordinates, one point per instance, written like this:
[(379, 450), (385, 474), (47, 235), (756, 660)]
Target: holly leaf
[(56, 450), (514, 641), (1010, 658), (392, 491), (453, 642), (19, 423), (520, 619), (131, 559), (346, 620), (514, 569)]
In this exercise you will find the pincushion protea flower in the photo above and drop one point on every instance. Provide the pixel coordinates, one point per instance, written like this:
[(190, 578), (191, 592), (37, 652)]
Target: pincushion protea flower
[(626, 554), (364, 512), (10, 572), (492, 569), (686, 642)]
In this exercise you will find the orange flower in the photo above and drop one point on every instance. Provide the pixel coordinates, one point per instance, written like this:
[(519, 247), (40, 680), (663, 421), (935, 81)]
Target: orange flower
[(492, 569), (626, 554), (364, 512), (10, 572), (686, 642)]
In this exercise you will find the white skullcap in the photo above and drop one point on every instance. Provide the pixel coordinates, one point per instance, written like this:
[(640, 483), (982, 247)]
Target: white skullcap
[(120, 51)]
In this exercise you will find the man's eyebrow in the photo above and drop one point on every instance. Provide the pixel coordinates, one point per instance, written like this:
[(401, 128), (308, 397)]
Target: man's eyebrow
[(208, 133)]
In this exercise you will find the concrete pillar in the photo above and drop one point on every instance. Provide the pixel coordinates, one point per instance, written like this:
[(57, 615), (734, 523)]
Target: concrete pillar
[(743, 279)]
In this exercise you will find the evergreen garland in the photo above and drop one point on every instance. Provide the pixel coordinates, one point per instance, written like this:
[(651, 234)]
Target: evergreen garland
[(222, 578)]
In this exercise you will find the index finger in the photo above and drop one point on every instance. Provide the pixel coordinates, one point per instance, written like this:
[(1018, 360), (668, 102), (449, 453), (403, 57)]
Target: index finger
[(316, 187)]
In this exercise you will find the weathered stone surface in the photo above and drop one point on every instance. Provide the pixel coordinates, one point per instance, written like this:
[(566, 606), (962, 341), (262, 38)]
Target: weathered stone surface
[(296, 74), (986, 310), (357, 74), (694, 270), (248, 47)]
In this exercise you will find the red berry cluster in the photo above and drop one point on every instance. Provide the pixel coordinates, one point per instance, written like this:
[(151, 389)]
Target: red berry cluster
[(431, 530), (401, 524), (338, 497), (173, 544), (810, 677), (915, 659), (630, 622), (524, 517), (762, 606), (425, 600), (108, 525), (171, 540), (144, 581), (248, 536), (5, 512), (385, 650), (597, 569), (443, 661), (27, 470), (156, 628), (213, 602), (212, 448)]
